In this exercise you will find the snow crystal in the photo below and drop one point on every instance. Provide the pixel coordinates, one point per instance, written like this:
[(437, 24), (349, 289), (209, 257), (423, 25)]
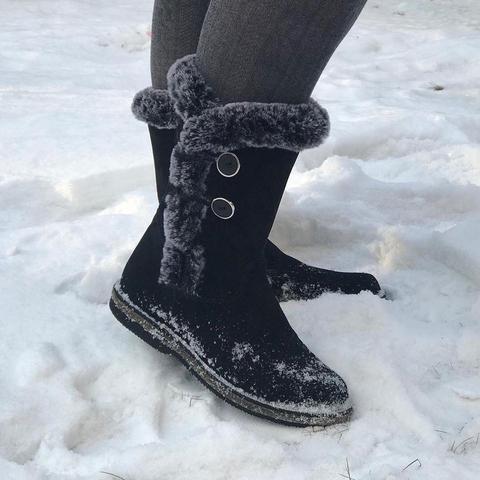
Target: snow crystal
[(241, 350)]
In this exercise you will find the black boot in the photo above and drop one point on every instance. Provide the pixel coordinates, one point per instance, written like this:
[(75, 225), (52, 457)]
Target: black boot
[(290, 279), (196, 285)]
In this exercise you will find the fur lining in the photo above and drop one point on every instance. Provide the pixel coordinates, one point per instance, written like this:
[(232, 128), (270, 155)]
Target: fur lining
[(239, 125), (155, 107)]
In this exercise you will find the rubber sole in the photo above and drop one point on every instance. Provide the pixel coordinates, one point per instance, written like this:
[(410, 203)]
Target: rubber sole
[(164, 340)]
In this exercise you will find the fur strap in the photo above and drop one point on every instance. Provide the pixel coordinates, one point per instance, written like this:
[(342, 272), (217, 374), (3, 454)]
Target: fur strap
[(215, 127), (156, 108)]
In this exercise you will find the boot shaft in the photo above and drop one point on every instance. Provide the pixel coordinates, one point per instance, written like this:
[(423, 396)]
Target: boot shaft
[(227, 175)]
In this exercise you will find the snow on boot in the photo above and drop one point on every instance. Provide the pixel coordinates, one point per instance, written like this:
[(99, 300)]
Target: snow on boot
[(290, 279), (196, 286)]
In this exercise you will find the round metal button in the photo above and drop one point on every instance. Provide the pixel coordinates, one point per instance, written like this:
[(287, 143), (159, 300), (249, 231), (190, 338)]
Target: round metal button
[(228, 164), (222, 208)]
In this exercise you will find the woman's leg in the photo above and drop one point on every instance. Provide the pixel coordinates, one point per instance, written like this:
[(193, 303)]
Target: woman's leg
[(176, 26), (271, 50)]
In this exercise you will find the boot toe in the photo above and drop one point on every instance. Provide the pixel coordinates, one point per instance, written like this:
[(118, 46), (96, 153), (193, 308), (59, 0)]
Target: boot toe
[(310, 388), (351, 283), (325, 394), (292, 279), (354, 283)]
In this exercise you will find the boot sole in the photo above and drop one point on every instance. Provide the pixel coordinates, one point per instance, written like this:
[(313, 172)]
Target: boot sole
[(161, 338)]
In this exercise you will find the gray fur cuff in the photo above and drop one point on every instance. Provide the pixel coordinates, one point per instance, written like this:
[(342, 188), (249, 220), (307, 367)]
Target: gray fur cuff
[(155, 107), (213, 126)]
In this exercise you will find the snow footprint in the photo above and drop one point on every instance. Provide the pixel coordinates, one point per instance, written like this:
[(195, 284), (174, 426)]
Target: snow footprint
[(95, 284), (99, 191), (38, 363), (131, 39)]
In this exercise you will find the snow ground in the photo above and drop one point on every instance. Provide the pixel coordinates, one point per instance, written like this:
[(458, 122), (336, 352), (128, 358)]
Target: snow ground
[(396, 191)]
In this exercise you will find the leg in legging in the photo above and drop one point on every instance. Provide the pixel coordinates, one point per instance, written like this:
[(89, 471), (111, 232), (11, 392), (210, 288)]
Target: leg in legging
[(271, 50), (176, 26)]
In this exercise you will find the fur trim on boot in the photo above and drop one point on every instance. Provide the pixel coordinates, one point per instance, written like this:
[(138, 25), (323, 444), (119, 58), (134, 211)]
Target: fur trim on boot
[(155, 108)]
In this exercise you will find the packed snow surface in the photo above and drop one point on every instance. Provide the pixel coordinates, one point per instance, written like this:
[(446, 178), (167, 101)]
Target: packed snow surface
[(394, 191)]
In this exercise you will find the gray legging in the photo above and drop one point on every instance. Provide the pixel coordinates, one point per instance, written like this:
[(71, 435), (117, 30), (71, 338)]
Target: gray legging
[(252, 50)]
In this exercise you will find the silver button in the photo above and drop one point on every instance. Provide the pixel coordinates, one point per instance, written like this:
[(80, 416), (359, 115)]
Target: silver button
[(222, 208), (228, 164)]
